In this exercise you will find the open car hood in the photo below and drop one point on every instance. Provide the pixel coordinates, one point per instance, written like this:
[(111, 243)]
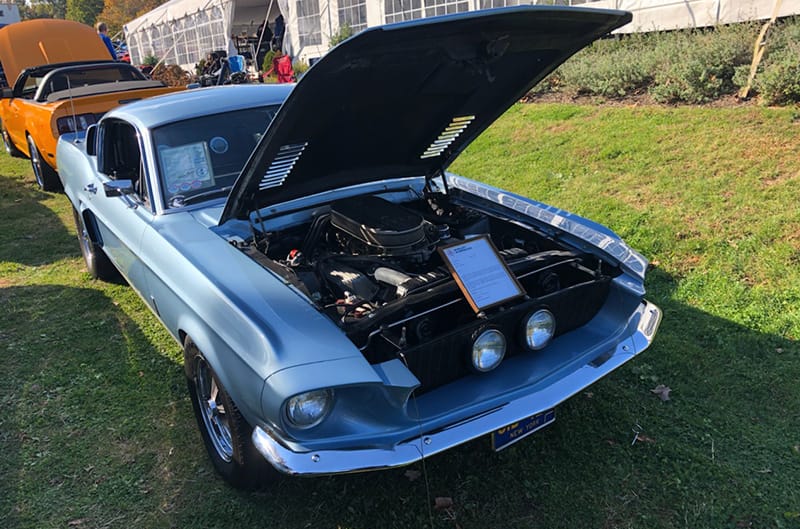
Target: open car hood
[(47, 41), (405, 99)]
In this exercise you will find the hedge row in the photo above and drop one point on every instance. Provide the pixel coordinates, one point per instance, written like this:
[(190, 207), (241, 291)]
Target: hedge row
[(691, 66)]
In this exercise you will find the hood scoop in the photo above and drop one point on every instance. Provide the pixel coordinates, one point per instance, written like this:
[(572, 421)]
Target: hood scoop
[(447, 137), (281, 166)]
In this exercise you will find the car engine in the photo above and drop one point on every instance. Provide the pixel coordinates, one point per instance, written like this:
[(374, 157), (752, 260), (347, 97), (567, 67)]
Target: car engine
[(372, 266)]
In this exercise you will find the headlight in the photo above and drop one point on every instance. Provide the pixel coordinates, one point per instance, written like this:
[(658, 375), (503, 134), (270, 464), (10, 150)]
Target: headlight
[(488, 350), (75, 123), (539, 329), (308, 409)]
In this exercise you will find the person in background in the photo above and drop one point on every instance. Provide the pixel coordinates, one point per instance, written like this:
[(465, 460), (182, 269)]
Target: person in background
[(282, 68), (277, 36), (264, 42), (212, 64), (102, 31)]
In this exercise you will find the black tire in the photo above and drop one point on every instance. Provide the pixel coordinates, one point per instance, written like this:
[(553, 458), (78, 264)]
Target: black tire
[(46, 176), (97, 262), (9, 146), (226, 434)]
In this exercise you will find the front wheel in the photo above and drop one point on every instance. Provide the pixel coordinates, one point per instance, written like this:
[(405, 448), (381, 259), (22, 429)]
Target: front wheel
[(97, 262), (46, 176), (11, 149), (226, 434)]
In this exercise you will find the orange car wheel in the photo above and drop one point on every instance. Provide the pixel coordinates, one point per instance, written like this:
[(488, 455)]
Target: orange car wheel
[(10, 148), (46, 176)]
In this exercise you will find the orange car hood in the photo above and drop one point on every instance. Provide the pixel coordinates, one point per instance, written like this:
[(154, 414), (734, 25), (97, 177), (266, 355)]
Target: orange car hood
[(47, 41)]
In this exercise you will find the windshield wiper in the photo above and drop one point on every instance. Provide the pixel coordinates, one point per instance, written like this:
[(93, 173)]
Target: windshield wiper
[(180, 200)]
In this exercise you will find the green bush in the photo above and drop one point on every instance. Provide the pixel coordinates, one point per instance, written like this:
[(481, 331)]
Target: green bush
[(609, 68), (266, 64), (700, 66), (690, 66), (778, 82), (300, 67), (343, 33)]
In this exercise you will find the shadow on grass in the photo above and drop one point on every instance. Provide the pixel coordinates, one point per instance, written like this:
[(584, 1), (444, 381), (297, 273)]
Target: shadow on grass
[(98, 431), (32, 233), (89, 411)]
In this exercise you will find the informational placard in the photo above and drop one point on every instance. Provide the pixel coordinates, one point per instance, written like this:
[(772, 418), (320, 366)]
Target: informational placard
[(481, 273), (186, 167)]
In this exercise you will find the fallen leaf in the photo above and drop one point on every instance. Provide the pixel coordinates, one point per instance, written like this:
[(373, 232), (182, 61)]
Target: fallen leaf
[(662, 391), (642, 438), (412, 475), (442, 503)]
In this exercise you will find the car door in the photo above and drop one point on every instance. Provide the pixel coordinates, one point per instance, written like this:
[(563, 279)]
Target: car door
[(120, 198), (14, 116)]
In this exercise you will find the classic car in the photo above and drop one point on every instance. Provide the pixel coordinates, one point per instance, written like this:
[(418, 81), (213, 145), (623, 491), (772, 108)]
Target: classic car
[(61, 80), (343, 302)]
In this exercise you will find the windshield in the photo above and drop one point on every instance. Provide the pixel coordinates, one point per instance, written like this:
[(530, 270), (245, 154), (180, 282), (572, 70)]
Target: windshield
[(200, 158), (66, 78)]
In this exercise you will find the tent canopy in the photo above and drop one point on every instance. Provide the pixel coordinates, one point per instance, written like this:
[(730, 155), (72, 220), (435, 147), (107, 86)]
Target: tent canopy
[(183, 31)]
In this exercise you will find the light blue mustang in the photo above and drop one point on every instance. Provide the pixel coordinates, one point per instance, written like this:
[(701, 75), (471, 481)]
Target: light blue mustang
[(343, 302)]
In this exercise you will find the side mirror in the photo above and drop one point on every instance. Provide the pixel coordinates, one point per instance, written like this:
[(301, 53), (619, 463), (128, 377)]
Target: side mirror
[(118, 188), (7, 93), (91, 140)]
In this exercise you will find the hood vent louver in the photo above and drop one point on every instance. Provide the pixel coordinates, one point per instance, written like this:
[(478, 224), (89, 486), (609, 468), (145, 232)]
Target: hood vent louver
[(447, 136), (282, 165)]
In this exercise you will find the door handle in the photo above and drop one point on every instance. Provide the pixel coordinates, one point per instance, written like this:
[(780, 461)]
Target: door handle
[(90, 188)]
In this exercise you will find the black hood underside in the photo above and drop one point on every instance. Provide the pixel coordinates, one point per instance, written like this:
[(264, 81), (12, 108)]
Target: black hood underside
[(405, 99)]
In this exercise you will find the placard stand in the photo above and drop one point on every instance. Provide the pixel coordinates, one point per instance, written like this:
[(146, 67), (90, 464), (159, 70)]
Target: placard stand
[(481, 273)]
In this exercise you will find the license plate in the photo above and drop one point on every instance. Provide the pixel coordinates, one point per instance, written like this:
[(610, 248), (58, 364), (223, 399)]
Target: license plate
[(507, 436)]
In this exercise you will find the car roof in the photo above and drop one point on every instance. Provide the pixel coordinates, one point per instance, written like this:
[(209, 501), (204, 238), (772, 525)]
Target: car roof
[(155, 111)]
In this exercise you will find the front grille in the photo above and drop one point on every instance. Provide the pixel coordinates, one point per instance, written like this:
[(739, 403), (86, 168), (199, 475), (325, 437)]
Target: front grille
[(445, 358)]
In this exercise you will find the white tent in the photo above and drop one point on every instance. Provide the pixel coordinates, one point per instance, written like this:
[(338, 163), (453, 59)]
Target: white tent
[(183, 31), (193, 27)]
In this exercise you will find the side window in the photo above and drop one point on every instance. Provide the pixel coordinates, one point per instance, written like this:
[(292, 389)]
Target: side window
[(122, 157), (26, 86)]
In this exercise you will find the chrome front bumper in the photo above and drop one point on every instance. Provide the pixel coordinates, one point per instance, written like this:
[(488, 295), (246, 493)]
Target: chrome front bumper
[(323, 462)]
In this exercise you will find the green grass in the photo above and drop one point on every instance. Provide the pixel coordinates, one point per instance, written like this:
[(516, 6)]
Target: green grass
[(96, 429)]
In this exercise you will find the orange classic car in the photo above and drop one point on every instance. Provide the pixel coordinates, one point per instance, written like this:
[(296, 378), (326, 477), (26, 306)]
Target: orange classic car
[(61, 79)]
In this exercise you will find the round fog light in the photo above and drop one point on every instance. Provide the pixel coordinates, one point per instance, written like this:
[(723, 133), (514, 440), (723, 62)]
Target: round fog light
[(308, 409), (539, 329), (488, 350)]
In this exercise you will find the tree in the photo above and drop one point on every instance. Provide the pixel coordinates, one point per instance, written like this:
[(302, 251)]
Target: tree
[(84, 11), (117, 13), (42, 9)]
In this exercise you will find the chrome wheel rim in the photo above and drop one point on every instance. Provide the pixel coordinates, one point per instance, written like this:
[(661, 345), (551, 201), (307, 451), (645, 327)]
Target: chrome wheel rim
[(36, 162), (215, 417), (7, 142), (83, 236)]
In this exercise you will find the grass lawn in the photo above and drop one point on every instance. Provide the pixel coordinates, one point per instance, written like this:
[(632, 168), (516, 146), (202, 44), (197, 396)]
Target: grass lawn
[(96, 429)]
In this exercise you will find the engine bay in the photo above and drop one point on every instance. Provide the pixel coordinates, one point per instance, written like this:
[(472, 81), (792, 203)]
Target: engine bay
[(372, 266)]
